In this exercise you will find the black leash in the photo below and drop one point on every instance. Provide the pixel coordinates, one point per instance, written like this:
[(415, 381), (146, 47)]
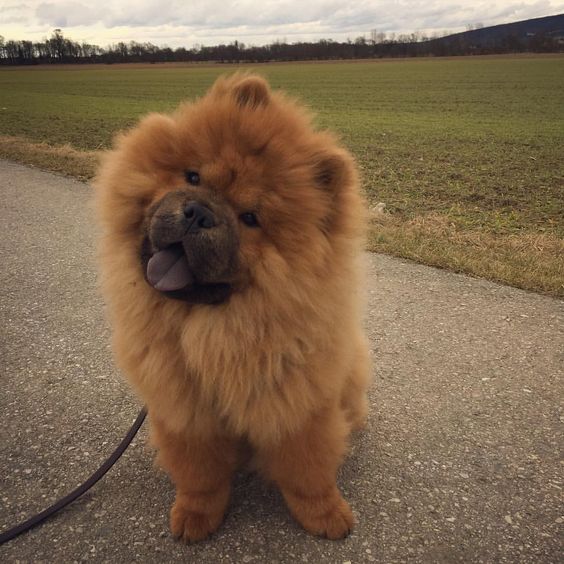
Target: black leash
[(57, 506)]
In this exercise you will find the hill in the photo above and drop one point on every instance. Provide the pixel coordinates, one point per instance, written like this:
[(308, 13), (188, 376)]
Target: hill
[(538, 34)]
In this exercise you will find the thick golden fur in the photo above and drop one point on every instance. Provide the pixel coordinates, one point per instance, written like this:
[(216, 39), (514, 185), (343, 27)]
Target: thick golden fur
[(280, 369)]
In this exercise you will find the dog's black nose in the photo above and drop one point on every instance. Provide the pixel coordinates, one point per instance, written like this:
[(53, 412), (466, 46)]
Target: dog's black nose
[(198, 217)]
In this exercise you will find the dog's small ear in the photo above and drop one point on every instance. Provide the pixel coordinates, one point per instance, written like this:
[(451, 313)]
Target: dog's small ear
[(252, 92), (334, 170)]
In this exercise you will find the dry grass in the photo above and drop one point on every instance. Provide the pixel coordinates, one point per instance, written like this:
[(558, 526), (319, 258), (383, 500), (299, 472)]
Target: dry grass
[(61, 159), (529, 261)]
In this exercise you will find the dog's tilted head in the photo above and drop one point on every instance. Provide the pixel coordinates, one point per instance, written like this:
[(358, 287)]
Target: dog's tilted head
[(235, 190), (190, 249)]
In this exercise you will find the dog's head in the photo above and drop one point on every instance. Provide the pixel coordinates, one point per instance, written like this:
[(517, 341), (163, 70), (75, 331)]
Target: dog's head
[(190, 248), (234, 190)]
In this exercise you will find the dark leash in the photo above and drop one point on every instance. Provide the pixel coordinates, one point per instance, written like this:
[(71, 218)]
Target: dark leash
[(57, 506)]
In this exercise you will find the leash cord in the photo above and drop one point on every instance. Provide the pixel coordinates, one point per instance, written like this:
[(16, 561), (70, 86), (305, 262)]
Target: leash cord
[(57, 506)]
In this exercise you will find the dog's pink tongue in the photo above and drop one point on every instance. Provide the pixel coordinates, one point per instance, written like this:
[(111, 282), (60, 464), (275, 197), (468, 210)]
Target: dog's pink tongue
[(167, 270)]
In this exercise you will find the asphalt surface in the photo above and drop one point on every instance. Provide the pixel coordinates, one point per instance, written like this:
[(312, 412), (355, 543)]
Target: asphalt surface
[(460, 461)]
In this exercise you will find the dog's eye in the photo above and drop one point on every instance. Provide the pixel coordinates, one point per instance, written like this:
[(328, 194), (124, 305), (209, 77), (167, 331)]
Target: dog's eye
[(192, 177), (249, 219)]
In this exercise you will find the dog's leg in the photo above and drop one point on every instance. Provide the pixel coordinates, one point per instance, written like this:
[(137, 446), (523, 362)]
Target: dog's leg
[(201, 470), (354, 398), (304, 466)]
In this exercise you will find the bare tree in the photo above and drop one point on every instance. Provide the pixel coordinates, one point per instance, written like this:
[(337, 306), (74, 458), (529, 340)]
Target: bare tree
[(57, 45)]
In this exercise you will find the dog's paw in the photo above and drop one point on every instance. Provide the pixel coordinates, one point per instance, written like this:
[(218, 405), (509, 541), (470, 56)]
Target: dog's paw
[(335, 523), (191, 526)]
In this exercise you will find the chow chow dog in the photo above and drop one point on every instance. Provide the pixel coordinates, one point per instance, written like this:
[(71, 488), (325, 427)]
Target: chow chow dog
[(230, 243)]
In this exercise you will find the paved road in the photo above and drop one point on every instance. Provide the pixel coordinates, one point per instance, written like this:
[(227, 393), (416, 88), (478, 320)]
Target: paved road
[(460, 461)]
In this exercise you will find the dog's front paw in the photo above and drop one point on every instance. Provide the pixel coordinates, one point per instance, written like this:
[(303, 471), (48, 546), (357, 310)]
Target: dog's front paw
[(192, 526), (334, 522)]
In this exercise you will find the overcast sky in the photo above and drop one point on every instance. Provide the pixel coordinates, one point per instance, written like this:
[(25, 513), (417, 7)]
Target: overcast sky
[(186, 23)]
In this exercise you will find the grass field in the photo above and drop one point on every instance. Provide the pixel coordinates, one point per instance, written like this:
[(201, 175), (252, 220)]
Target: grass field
[(467, 153)]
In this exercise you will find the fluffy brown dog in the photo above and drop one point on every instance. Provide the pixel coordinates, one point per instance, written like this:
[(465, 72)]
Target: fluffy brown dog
[(230, 249)]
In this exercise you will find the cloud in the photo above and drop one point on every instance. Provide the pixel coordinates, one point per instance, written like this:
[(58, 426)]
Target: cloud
[(67, 14), (175, 21), (14, 13), (332, 14)]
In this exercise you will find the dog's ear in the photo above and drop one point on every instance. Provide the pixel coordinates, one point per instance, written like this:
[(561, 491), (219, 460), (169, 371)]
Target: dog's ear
[(334, 170), (252, 91), (152, 143)]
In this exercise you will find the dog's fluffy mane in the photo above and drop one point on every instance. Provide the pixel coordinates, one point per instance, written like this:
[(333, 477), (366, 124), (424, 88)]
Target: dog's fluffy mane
[(259, 363)]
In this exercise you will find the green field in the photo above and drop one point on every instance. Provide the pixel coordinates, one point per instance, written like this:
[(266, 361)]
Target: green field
[(467, 154)]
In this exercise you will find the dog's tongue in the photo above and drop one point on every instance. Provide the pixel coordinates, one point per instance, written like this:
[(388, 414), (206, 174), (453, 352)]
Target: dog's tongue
[(167, 270)]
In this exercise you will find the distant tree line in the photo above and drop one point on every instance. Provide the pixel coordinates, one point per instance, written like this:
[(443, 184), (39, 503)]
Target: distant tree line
[(59, 49)]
